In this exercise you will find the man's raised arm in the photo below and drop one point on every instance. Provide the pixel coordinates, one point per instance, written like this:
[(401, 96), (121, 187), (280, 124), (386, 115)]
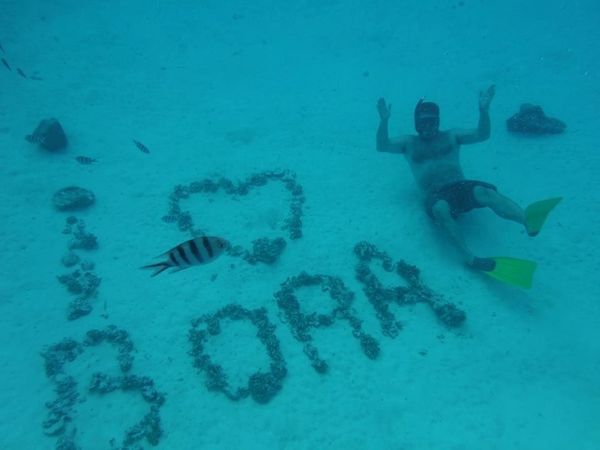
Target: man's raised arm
[(384, 143), (482, 132)]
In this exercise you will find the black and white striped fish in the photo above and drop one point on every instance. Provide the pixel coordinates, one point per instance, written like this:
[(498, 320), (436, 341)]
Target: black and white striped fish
[(85, 160), (200, 250), (141, 146)]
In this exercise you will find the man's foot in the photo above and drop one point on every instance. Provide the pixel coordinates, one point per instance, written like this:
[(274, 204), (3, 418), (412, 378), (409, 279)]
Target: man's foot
[(518, 272), (536, 214), (484, 264)]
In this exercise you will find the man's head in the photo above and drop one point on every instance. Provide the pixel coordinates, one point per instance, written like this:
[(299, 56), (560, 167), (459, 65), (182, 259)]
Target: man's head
[(427, 118)]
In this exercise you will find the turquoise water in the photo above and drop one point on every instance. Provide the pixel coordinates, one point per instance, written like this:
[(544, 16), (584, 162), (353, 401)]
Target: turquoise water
[(340, 317)]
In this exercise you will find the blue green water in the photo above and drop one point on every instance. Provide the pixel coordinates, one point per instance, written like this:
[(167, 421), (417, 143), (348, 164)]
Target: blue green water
[(341, 317)]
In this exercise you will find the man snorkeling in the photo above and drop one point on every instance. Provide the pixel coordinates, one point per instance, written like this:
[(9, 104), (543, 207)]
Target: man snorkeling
[(433, 157)]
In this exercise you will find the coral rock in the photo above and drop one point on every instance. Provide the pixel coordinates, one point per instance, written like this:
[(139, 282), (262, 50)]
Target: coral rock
[(73, 198), (531, 120), (50, 135)]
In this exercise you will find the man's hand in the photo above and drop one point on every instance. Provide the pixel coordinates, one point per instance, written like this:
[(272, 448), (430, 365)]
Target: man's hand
[(485, 97), (385, 111)]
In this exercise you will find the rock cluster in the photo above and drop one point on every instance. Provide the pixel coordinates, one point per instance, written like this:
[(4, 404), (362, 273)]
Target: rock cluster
[(82, 281), (412, 291), (262, 385), (61, 422), (301, 323), (265, 250), (531, 119)]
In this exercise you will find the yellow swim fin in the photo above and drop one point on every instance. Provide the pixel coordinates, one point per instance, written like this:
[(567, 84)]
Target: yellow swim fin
[(537, 212), (518, 272)]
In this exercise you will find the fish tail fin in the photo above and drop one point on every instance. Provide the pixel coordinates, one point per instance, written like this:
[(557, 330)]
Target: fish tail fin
[(159, 268)]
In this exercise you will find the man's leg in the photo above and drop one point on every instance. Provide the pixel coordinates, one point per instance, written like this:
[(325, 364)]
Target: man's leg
[(501, 205), (443, 217)]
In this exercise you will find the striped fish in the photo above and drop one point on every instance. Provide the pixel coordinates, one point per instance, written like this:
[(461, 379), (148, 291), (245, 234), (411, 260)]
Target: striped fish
[(85, 160), (141, 146), (200, 250)]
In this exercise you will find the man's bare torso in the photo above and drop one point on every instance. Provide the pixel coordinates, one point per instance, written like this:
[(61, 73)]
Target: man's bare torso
[(434, 162)]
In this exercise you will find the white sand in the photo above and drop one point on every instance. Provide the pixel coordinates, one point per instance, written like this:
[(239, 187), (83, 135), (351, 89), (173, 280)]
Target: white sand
[(193, 82)]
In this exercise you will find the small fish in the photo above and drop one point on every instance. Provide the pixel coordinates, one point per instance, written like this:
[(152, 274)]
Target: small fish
[(141, 146), (6, 64), (20, 72), (2, 48), (200, 250), (86, 160), (169, 218)]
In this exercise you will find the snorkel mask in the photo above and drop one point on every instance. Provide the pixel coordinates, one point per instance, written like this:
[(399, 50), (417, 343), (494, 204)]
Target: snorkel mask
[(427, 118)]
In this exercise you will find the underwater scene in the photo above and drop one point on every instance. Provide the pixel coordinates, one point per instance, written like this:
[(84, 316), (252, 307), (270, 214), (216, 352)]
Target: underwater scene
[(335, 224)]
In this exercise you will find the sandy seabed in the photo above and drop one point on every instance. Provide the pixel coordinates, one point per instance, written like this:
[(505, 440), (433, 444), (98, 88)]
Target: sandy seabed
[(231, 90)]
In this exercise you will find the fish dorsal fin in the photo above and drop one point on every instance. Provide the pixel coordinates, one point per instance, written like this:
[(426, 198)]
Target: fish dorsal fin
[(171, 249)]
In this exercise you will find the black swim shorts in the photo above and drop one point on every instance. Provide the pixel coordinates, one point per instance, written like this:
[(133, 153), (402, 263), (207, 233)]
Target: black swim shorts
[(459, 196)]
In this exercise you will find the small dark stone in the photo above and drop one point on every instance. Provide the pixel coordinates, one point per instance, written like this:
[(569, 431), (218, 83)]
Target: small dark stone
[(370, 346), (83, 239), (263, 387), (531, 119), (87, 265), (73, 198), (70, 259), (58, 354), (78, 308), (266, 250), (450, 315), (66, 443), (320, 366), (49, 134), (71, 281)]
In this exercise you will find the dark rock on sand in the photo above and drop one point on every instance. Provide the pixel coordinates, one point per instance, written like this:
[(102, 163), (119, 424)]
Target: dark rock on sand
[(531, 120), (73, 198), (50, 135)]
